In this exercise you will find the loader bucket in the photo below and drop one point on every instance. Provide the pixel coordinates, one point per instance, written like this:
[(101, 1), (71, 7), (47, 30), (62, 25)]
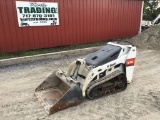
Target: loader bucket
[(54, 94)]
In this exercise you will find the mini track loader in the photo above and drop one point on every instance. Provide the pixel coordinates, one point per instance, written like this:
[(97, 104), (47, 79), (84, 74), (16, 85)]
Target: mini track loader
[(106, 71)]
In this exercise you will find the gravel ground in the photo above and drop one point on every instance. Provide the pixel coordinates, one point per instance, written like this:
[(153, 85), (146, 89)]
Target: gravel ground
[(149, 39), (141, 99)]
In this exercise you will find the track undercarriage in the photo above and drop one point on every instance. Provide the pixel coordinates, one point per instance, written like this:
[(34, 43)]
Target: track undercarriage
[(110, 84)]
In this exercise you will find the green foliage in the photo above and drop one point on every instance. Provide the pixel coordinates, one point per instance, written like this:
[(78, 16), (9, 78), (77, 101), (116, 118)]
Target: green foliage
[(150, 9), (50, 50)]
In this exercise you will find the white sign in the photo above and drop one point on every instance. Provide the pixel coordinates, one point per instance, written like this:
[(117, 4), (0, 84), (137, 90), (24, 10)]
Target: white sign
[(37, 13)]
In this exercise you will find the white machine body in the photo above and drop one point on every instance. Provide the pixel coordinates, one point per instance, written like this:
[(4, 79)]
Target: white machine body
[(84, 73)]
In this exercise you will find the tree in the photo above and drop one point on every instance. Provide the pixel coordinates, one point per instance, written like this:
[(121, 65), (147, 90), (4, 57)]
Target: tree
[(150, 9)]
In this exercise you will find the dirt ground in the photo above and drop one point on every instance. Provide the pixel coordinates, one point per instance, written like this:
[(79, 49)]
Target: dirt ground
[(141, 99)]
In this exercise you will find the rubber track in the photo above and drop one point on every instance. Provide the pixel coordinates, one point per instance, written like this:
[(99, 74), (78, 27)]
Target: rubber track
[(95, 83)]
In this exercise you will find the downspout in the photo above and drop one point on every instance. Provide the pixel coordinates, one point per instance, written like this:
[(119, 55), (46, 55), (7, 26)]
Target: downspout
[(141, 17)]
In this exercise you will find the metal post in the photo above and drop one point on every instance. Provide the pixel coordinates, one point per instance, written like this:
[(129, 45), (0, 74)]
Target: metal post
[(141, 16)]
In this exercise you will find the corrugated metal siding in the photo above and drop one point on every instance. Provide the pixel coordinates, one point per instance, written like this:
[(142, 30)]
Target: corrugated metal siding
[(81, 21)]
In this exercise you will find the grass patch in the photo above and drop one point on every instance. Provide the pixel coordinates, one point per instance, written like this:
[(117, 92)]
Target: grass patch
[(49, 50)]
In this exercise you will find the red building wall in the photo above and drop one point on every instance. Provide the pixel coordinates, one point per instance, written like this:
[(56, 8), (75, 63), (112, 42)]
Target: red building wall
[(81, 21)]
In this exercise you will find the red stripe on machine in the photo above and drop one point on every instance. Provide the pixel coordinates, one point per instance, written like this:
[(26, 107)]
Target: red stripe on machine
[(130, 62)]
